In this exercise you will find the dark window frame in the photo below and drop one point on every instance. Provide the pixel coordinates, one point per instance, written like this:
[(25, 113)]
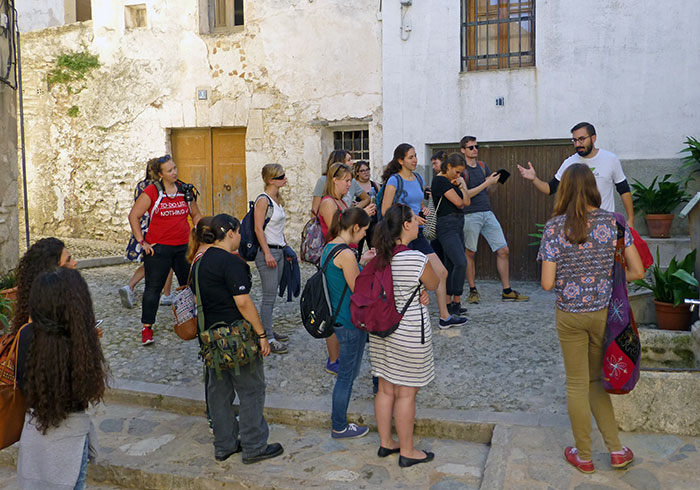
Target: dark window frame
[(346, 139)]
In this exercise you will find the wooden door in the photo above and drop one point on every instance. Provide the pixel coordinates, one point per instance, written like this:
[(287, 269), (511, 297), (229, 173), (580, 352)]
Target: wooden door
[(213, 159), (517, 204), (228, 159)]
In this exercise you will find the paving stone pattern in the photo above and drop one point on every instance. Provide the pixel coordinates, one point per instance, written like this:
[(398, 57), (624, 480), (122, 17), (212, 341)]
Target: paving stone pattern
[(506, 358)]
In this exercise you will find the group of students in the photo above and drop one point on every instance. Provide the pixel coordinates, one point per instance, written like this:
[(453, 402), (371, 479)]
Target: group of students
[(61, 368)]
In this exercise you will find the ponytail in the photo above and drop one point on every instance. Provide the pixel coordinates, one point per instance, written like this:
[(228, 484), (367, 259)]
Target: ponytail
[(346, 219), (202, 233), (394, 167), (388, 231)]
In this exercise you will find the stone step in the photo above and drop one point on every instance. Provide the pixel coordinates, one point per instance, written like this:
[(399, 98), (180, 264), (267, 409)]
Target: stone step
[(668, 248), (147, 448)]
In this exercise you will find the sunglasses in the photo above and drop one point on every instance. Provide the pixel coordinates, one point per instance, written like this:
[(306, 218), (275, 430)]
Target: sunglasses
[(280, 177), (164, 159), (473, 147)]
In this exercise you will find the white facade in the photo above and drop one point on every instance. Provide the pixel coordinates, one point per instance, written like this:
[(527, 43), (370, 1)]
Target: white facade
[(629, 68)]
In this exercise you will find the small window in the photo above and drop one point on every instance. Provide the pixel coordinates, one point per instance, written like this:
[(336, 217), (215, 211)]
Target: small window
[(135, 16), (356, 142), (83, 10), (497, 34), (225, 14)]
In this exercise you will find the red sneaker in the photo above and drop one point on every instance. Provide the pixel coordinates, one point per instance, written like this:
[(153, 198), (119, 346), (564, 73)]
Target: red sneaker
[(622, 458), (146, 335), (571, 455)]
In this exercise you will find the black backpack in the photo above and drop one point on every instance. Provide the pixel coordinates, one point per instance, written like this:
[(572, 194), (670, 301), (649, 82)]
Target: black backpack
[(317, 314), (248, 248)]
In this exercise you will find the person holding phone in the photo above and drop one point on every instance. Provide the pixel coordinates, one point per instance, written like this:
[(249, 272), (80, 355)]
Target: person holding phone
[(479, 219)]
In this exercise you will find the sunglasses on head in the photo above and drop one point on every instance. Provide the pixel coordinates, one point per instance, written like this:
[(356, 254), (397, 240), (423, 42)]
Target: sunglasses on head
[(472, 147), (164, 159), (279, 177)]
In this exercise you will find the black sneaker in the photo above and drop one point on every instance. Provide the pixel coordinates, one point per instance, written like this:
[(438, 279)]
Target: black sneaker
[(452, 321), (456, 309), (271, 451)]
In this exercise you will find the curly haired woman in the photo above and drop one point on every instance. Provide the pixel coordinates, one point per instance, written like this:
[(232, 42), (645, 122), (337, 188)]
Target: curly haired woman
[(60, 371)]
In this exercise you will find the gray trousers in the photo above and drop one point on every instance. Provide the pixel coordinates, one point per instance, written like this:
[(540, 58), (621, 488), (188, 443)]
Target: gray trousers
[(253, 430), (270, 281)]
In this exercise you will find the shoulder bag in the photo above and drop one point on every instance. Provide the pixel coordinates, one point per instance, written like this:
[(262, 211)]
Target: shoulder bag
[(12, 403)]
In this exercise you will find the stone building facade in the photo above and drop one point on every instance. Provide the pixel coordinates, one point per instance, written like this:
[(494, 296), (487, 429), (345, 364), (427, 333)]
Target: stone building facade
[(291, 79)]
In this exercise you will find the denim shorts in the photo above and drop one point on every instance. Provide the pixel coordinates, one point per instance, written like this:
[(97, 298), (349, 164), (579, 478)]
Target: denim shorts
[(483, 223), (421, 243)]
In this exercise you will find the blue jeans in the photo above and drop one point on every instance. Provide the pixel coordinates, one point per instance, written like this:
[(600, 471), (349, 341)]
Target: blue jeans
[(82, 476), (352, 346)]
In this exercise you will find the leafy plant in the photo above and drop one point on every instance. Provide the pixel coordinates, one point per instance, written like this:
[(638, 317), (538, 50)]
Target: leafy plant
[(692, 160), (72, 66), (5, 312), (537, 234), (661, 198), (74, 111), (8, 280), (674, 284)]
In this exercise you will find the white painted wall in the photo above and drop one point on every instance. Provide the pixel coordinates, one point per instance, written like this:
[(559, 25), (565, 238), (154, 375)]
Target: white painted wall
[(39, 14), (630, 68)]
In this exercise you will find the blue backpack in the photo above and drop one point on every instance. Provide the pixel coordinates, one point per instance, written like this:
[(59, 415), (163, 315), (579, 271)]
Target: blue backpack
[(248, 248), (399, 195)]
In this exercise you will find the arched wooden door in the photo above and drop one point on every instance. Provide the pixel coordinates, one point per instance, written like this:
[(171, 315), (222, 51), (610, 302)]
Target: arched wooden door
[(213, 159)]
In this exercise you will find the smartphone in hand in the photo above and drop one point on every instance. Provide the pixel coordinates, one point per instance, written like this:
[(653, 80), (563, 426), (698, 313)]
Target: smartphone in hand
[(503, 175)]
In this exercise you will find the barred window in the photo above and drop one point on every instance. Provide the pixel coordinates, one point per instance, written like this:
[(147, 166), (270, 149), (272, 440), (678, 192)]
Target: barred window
[(225, 14), (356, 142), (497, 34)]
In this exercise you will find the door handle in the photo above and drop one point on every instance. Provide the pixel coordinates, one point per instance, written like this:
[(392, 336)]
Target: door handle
[(227, 187)]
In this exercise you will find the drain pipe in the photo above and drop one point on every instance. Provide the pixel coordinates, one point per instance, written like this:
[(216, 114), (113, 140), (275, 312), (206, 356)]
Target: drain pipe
[(21, 132)]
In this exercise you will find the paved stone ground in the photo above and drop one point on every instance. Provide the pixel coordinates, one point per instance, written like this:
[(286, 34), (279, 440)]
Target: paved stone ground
[(505, 359)]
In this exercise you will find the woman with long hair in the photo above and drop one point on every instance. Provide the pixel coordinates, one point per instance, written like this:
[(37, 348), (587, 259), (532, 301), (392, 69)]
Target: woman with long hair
[(403, 361), (401, 172), (165, 243), (337, 186), (354, 194), (449, 194), (348, 227), (60, 371), (270, 256), (224, 285), (577, 253), (45, 254)]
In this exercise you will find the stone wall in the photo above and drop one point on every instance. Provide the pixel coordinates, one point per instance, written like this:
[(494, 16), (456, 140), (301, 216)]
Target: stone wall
[(9, 240), (294, 72)]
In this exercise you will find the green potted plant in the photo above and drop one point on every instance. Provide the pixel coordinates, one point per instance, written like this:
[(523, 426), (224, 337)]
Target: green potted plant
[(657, 202), (670, 287), (8, 285), (691, 162), (5, 313)]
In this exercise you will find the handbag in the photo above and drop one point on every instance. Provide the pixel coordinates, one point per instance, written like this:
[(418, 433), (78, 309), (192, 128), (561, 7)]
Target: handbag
[(12, 403), (185, 309), (622, 348), (224, 345), (430, 226)]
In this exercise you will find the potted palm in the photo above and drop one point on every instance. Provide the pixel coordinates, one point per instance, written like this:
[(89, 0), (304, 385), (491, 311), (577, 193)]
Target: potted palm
[(670, 287), (657, 202)]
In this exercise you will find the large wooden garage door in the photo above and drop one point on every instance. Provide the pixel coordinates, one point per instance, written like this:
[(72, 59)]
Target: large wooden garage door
[(213, 159), (517, 204)]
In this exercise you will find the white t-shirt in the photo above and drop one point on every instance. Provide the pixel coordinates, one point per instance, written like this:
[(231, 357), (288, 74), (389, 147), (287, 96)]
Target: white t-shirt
[(607, 170), (274, 231)]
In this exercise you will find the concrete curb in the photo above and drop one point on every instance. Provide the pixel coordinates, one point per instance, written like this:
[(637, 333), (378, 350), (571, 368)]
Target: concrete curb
[(101, 262)]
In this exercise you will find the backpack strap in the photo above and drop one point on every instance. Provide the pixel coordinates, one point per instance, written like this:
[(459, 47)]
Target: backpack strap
[(399, 188), (269, 206), (466, 173), (161, 194), (200, 307)]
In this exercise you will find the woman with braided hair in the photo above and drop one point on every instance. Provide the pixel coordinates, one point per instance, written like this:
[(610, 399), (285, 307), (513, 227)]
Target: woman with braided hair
[(45, 254), (60, 371)]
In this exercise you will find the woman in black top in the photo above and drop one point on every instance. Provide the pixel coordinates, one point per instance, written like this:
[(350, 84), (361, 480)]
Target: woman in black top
[(450, 196), (224, 286)]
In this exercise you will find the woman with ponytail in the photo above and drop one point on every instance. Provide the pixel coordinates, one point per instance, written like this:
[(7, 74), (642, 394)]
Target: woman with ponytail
[(403, 361), (400, 172), (60, 371), (348, 227), (577, 251)]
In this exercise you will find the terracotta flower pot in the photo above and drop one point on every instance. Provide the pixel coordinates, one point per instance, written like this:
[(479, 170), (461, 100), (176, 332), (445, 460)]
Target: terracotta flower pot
[(10, 294), (669, 317), (659, 225)]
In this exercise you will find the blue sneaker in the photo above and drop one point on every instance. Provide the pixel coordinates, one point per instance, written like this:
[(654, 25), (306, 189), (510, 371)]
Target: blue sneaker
[(332, 367), (352, 431), (452, 321)]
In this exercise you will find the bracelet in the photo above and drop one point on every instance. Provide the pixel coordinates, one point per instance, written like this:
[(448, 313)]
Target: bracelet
[(142, 241), (262, 335)]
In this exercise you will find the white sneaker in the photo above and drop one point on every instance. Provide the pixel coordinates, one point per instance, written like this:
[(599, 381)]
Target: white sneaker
[(277, 347), (167, 300), (127, 296)]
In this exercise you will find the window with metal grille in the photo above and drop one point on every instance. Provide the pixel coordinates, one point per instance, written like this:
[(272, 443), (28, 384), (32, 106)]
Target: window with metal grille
[(497, 34), (225, 14), (355, 141)]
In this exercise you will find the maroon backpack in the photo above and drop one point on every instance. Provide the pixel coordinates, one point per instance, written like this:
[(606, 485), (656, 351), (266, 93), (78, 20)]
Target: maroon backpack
[(372, 305)]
